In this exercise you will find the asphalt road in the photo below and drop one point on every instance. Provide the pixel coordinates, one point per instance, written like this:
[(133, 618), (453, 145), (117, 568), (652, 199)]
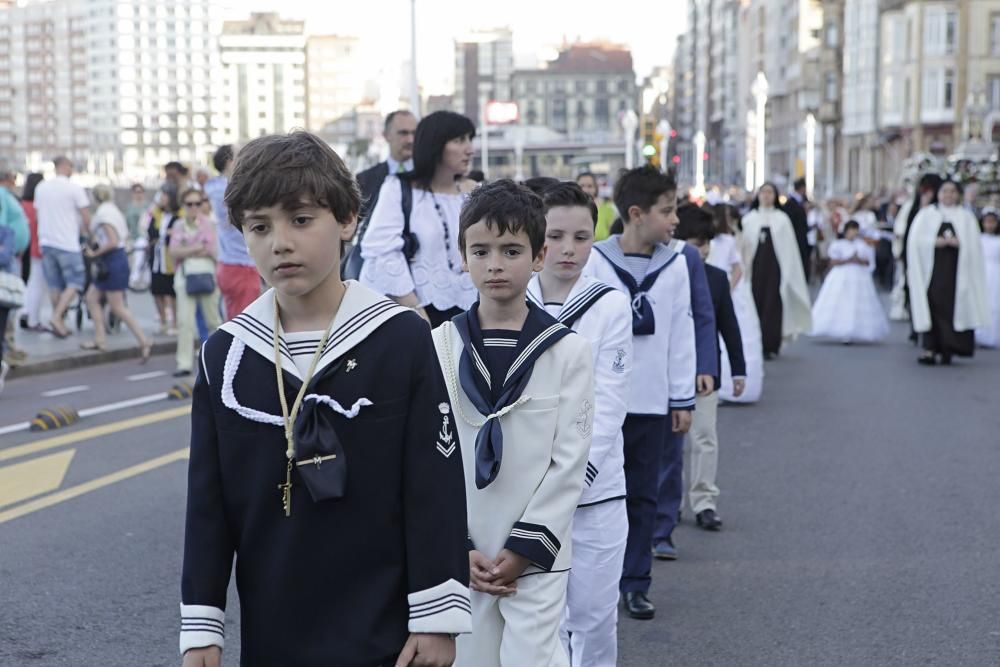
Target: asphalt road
[(859, 500)]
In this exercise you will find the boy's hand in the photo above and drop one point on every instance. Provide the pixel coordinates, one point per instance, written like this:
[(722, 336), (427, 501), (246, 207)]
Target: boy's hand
[(424, 650), (739, 384), (681, 420), (508, 567), (706, 385), (483, 576), (210, 656)]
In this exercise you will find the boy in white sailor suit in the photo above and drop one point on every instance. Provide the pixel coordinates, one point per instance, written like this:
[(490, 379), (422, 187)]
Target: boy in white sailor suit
[(601, 314), (655, 278), (522, 387), (316, 448)]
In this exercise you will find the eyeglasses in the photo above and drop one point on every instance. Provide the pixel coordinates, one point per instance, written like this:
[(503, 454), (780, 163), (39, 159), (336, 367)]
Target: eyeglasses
[(194, 202)]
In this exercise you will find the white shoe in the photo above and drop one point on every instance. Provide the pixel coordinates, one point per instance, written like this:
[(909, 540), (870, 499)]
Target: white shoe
[(4, 368)]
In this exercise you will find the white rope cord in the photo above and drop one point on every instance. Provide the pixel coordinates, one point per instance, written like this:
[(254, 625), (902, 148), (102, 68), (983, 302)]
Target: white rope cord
[(337, 407), (233, 358), (453, 387)]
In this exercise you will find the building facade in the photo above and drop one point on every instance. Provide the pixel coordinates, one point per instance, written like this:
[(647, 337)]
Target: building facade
[(484, 65), (262, 86), (582, 93), (121, 86), (335, 79)]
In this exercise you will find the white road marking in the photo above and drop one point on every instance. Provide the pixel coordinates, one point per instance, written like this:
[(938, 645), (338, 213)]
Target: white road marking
[(65, 390), (98, 410), (121, 405), (146, 376), (14, 428)]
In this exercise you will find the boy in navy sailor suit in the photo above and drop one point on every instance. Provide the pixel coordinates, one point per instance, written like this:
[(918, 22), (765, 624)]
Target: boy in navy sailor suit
[(323, 452), (670, 495), (662, 387), (601, 314), (522, 386)]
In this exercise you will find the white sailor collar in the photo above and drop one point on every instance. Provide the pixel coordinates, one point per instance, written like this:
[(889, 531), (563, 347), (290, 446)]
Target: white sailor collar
[(581, 296), (361, 312), (611, 250)]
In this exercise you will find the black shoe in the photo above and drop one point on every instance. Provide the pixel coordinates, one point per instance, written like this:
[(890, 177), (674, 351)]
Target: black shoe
[(637, 605), (181, 373), (709, 520), (946, 359), (927, 360)]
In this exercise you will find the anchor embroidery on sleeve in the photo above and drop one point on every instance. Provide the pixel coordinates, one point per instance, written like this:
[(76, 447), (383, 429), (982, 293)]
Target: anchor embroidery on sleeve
[(445, 441)]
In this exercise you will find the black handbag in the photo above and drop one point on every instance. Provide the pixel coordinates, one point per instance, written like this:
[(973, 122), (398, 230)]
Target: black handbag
[(352, 262), (201, 279)]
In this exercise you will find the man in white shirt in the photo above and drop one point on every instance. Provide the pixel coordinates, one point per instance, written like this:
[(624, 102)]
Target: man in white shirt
[(63, 216)]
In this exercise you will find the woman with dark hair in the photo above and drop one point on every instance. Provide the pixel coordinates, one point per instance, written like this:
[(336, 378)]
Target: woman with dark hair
[(410, 248), (773, 267), (946, 277), (36, 292)]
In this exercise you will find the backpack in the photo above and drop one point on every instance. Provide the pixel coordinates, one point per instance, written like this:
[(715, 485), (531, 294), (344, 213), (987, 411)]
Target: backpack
[(352, 262)]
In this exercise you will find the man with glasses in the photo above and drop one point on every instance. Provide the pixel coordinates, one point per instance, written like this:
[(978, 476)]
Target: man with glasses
[(400, 129)]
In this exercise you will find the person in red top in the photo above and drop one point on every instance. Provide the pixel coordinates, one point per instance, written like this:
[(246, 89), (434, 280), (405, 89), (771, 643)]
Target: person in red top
[(37, 288)]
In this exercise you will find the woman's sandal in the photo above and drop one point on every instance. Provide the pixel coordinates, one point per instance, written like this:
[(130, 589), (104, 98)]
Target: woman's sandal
[(94, 346), (58, 329), (145, 351)]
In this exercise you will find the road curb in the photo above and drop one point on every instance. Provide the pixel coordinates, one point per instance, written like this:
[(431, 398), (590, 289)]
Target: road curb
[(85, 358)]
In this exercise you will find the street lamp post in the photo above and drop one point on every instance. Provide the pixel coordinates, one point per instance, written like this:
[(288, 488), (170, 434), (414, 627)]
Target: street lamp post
[(414, 88), (759, 91), (810, 154), (630, 122), (663, 128), (699, 163)]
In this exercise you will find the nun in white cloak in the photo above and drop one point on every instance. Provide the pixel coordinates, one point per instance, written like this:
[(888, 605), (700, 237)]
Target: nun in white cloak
[(946, 275), (773, 268)]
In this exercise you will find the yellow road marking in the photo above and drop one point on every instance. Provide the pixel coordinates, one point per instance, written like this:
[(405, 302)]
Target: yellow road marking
[(89, 433), (93, 485), (33, 478)]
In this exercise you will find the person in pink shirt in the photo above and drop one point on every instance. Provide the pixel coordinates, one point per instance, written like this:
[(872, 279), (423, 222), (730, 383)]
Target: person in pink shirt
[(194, 249)]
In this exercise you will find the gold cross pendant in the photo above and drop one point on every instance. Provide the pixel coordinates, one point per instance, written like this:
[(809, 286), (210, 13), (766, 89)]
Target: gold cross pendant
[(286, 491)]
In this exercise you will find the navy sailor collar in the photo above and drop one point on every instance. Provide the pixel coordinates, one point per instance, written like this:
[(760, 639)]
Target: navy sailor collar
[(361, 312), (539, 332)]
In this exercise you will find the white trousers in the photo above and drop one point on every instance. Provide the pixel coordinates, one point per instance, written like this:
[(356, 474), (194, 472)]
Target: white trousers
[(702, 450), (590, 627), (36, 293), (517, 631)]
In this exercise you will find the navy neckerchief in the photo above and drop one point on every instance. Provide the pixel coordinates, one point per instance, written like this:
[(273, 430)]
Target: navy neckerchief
[(643, 321), (577, 304), (540, 332)]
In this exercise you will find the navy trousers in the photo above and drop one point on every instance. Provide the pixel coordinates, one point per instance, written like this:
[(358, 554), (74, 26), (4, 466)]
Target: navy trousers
[(644, 438), (670, 492)]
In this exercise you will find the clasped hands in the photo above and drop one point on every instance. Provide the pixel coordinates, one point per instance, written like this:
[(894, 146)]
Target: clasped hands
[(496, 577)]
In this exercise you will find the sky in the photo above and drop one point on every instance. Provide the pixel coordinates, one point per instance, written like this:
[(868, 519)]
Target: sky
[(649, 27)]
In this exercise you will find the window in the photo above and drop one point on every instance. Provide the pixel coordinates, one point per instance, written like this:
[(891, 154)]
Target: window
[(832, 34), (949, 89), (995, 34), (831, 87), (993, 88), (940, 29)]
